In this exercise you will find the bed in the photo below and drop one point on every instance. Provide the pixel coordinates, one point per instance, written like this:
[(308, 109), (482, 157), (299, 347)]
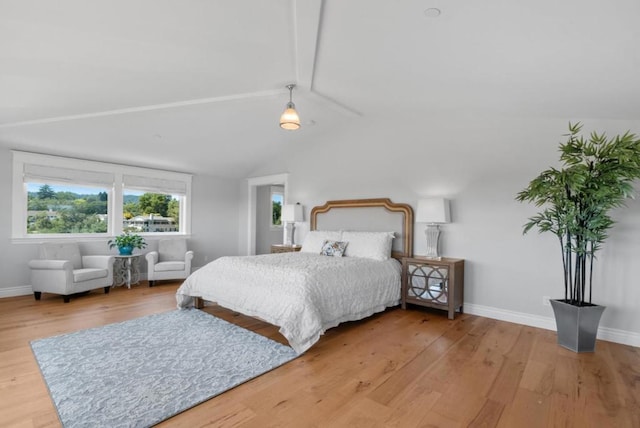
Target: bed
[(306, 293)]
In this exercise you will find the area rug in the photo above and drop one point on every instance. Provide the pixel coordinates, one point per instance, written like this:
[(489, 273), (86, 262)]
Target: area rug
[(138, 373)]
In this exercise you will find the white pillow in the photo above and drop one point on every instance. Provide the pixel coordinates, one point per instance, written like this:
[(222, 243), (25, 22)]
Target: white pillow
[(315, 239), (369, 245)]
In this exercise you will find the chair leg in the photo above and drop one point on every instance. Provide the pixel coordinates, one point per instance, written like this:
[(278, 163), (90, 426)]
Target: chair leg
[(151, 283), (37, 294), (106, 290), (66, 299)]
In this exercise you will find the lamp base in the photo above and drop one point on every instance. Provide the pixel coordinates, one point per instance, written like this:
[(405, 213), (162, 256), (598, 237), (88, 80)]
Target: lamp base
[(289, 230), (432, 232)]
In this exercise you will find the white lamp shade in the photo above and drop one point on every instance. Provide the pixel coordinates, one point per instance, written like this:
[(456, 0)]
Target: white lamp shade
[(290, 119), (292, 213), (434, 210)]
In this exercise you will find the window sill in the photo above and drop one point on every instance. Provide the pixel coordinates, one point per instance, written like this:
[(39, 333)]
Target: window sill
[(93, 238)]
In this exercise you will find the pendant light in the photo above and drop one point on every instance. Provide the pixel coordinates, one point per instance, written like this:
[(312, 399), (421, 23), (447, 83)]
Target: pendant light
[(290, 119)]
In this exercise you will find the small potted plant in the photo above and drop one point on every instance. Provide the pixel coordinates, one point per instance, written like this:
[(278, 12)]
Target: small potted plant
[(597, 176), (127, 242)]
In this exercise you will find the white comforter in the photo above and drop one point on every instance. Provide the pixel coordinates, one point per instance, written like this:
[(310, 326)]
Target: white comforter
[(304, 294)]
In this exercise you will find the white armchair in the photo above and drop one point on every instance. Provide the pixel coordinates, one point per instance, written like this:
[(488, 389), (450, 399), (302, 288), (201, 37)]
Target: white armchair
[(61, 269), (171, 261)]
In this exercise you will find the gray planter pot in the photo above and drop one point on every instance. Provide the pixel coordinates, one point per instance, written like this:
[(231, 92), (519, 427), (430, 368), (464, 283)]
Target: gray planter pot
[(577, 325)]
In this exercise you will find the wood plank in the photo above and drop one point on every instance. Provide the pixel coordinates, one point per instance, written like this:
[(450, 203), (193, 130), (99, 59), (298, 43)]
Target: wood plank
[(527, 409), (539, 373), (435, 419), (488, 416), (567, 399), (362, 413), (506, 384), (625, 362), (605, 401), (472, 369), (412, 405), (423, 360)]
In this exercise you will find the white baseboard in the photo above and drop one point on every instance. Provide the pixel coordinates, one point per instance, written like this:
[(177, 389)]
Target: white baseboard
[(604, 333), (21, 290), (24, 290), (510, 316), (619, 336)]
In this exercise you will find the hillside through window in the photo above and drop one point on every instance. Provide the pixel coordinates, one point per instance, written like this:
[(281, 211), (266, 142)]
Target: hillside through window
[(53, 208)]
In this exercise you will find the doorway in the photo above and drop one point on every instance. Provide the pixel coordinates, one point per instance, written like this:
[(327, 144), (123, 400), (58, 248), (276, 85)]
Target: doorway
[(269, 203), (255, 213)]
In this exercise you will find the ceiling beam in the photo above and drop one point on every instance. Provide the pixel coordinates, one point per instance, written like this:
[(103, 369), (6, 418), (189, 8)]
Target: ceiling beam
[(308, 16), (211, 100)]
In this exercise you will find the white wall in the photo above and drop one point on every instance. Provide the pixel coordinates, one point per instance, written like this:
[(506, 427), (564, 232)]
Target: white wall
[(13, 258), (214, 231), (480, 164), (215, 221)]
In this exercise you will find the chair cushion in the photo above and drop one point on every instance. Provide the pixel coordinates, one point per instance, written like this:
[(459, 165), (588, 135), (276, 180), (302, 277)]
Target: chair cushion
[(169, 266), (64, 251), (82, 275), (171, 250)]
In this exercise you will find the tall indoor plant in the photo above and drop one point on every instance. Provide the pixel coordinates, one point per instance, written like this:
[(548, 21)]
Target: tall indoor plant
[(597, 175)]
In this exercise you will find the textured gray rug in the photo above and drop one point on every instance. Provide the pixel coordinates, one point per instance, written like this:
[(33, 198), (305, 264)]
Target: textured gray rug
[(140, 372)]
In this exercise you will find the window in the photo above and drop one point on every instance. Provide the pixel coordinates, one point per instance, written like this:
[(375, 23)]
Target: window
[(66, 209), (150, 212), (277, 199), (151, 205), (56, 197)]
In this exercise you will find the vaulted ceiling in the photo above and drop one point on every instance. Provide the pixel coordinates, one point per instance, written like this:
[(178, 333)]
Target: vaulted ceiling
[(198, 86)]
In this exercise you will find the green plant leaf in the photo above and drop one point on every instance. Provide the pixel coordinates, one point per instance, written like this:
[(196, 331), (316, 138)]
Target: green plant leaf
[(597, 175)]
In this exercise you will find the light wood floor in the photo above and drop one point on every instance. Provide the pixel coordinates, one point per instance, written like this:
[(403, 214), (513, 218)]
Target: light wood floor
[(397, 369)]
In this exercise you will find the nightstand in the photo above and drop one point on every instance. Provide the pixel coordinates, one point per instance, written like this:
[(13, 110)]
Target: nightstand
[(283, 248), (433, 283)]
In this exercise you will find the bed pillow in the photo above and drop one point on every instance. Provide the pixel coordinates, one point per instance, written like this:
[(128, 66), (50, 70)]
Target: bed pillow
[(314, 240), (333, 248), (369, 245)]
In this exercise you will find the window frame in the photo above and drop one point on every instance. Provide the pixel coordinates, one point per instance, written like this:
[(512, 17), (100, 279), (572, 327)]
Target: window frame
[(22, 160)]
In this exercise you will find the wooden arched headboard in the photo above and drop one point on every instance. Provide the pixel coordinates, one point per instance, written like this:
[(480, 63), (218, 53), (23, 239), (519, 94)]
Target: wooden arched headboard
[(364, 215)]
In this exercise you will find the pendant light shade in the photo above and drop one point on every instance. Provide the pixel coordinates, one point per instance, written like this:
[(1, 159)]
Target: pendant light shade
[(290, 119)]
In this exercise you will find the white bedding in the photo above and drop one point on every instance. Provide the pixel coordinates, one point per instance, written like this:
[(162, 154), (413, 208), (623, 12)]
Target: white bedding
[(302, 293)]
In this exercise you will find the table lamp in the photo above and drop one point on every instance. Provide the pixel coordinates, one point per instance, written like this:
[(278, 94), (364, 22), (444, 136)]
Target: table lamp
[(433, 211), (290, 215)]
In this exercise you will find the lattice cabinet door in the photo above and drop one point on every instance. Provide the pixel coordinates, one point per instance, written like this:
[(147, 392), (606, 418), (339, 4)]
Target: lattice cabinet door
[(433, 283)]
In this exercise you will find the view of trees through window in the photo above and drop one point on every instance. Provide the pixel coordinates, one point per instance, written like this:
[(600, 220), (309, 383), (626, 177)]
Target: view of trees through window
[(276, 208), (64, 209), (150, 212), (75, 209)]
